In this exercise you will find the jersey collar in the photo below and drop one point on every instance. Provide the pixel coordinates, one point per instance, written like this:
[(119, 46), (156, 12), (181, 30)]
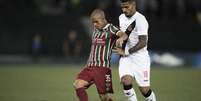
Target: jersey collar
[(133, 16), (106, 26)]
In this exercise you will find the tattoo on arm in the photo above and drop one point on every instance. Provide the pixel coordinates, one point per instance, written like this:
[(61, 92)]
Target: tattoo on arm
[(141, 44)]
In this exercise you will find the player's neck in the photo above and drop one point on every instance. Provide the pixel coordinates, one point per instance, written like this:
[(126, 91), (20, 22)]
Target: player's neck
[(132, 14)]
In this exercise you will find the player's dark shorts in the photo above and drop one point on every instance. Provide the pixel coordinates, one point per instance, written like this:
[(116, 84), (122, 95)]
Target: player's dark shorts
[(100, 76)]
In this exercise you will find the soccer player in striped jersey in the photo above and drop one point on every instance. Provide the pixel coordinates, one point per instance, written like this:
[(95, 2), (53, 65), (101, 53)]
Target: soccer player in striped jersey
[(135, 61), (97, 70)]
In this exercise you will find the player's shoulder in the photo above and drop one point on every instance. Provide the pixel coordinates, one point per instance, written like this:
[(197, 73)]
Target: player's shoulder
[(113, 28), (112, 25), (140, 16), (122, 16)]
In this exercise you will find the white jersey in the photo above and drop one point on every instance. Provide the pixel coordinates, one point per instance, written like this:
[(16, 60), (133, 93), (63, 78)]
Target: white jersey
[(136, 64), (141, 28)]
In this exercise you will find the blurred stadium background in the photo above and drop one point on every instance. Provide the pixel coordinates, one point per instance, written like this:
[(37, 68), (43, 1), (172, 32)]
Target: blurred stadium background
[(45, 43)]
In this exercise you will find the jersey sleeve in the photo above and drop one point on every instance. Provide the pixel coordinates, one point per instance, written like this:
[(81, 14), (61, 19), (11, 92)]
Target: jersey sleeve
[(114, 29), (142, 26)]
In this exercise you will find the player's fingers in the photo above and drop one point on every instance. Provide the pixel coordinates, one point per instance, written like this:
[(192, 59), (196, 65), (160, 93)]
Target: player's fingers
[(116, 53), (114, 50), (117, 48), (121, 42), (118, 42)]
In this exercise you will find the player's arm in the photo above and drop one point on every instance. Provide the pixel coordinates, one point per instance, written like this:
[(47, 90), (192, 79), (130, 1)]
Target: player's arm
[(142, 31), (141, 44), (122, 37)]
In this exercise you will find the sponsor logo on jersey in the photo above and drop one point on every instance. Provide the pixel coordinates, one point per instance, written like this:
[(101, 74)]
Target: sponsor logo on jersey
[(99, 41), (130, 28)]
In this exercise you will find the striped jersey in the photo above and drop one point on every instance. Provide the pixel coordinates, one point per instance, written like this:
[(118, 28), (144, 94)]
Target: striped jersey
[(102, 44)]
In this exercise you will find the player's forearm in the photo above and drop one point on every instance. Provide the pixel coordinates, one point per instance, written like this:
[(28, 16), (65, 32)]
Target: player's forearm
[(123, 36), (141, 44)]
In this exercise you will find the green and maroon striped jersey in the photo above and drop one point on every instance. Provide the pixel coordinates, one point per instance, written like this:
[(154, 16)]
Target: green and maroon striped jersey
[(102, 44)]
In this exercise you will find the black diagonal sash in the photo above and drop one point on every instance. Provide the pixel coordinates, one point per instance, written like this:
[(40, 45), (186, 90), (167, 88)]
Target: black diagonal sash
[(128, 32)]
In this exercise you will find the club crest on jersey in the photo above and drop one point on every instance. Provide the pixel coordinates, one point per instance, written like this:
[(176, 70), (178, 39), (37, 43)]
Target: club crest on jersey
[(99, 41), (130, 28)]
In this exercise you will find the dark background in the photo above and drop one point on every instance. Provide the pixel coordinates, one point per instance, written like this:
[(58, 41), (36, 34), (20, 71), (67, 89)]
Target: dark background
[(174, 24)]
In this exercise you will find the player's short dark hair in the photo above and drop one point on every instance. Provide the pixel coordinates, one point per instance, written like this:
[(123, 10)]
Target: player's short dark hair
[(127, 1)]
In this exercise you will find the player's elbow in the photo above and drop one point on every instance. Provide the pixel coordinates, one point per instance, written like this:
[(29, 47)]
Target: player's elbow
[(143, 43)]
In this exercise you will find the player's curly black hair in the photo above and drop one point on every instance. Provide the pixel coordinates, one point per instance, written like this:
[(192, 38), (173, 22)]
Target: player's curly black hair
[(128, 0)]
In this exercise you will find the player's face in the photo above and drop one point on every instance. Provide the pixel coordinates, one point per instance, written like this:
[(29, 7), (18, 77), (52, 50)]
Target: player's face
[(128, 8), (98, 23)]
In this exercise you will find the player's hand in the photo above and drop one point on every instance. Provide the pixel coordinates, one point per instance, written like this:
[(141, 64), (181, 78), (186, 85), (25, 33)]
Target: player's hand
[(119, 42), (119, 51)]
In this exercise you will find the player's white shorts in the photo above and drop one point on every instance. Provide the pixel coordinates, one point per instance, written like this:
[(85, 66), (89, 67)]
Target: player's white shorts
[(138, 67)]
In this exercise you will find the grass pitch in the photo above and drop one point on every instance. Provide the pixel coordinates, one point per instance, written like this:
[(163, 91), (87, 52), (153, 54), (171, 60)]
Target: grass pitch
[(54, 83)]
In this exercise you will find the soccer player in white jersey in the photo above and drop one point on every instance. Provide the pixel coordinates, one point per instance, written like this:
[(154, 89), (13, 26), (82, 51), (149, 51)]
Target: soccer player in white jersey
[(134, 63)]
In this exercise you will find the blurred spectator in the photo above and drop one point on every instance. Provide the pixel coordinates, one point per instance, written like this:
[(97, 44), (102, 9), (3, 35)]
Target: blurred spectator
[(36, 46), (148, 6), (167, 59), (74, 6), (51, 7), (142, 5), (199, 17), (112, 10), (72, 45), (180, 8)]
